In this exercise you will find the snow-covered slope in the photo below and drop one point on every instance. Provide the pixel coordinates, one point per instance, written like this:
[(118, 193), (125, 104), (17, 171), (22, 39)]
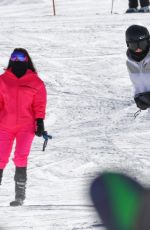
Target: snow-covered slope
[(80, 54)]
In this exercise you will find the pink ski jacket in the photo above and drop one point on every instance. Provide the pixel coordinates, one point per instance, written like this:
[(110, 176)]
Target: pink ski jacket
[(22, 100)]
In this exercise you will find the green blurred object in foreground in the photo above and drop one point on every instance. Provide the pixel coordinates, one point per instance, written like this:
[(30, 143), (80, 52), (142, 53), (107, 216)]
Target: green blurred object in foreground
[(117, 198), (125, 201)]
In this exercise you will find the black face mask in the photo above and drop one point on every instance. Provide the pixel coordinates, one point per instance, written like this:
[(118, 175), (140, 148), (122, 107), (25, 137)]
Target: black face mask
[(137, 56), (19, 68)]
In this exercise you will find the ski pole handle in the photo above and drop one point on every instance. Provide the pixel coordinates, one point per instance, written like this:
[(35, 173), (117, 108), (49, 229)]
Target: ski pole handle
[(46, 136)]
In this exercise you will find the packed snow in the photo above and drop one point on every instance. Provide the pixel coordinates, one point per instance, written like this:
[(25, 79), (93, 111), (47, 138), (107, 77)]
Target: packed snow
[(81, 56)]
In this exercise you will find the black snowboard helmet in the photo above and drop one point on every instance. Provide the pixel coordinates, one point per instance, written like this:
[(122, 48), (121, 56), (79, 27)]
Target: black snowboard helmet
[(137, 37)]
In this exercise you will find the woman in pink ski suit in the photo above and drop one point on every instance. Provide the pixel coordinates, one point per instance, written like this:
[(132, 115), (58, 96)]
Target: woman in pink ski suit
[(22, 111)]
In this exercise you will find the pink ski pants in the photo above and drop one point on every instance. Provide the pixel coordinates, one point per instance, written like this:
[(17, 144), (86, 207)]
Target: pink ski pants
[(23, 143)]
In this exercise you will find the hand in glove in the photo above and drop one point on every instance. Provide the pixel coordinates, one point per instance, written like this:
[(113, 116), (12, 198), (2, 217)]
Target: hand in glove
[(39, 127), (142, 100), (140, 104)]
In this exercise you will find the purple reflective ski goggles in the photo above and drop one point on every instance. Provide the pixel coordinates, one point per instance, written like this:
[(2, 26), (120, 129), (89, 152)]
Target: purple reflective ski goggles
[(18, 56), (141, 44)]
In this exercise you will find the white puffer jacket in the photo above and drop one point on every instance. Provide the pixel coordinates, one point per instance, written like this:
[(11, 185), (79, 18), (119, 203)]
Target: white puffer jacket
[(139, 73)]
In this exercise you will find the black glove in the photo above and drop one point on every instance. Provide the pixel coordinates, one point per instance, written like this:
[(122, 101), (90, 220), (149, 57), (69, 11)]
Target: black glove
[(140, 104), (142, 100), (40, 127)]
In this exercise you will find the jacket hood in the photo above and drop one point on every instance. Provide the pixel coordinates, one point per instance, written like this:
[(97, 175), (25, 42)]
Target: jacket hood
[(29, 73)]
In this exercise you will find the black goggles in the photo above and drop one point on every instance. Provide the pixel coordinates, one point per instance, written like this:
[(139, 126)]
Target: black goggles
[(141, 44)]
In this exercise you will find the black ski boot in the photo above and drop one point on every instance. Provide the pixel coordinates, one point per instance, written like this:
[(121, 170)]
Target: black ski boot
[(131, 10), (20, 186), (144, 9)]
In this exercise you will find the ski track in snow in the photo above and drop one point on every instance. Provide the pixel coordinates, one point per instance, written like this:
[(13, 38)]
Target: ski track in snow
[(80, 55)]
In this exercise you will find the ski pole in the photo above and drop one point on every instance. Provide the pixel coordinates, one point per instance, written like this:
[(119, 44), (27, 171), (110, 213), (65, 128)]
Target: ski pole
[(46, 136), (137, 113), (54, 10), (112, 5)]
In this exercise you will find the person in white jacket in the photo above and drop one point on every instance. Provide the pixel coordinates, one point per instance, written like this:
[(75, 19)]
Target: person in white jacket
[(138, 63)]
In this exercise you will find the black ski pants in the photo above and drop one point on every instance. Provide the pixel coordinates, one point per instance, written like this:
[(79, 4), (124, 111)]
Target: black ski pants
[(134, 3)]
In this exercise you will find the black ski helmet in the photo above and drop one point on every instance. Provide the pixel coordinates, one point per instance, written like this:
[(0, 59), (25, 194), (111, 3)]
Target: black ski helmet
[(136, 33)]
